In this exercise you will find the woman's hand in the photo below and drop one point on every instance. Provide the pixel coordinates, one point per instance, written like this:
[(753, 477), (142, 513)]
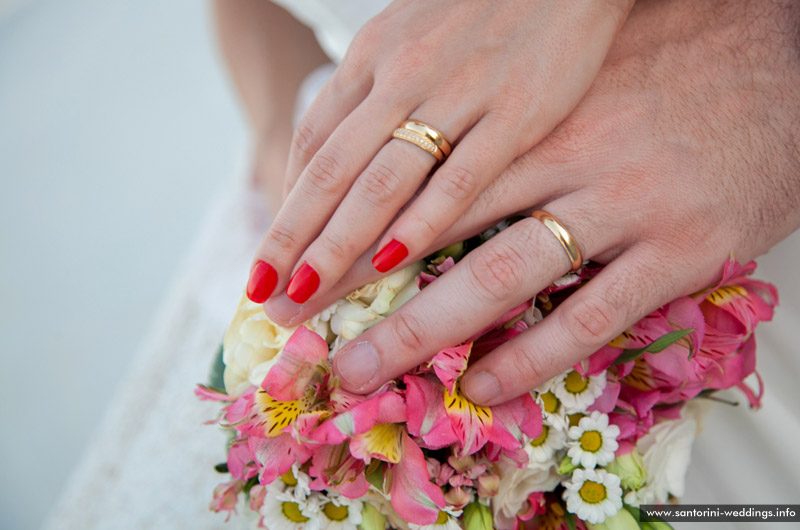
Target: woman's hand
[(493, 77), (684, 150)]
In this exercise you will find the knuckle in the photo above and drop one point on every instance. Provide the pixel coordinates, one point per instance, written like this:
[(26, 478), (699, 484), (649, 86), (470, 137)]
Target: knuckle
[(424, 227), (407, 331), (379, 184), (497, 272), (526, 367), (305, 139), (282, 237), (590, 322), (324, 173), (458, 183), (334, 247)]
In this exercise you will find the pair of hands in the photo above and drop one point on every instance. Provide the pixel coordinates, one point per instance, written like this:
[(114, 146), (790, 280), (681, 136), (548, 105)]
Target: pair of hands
[(680, 150)]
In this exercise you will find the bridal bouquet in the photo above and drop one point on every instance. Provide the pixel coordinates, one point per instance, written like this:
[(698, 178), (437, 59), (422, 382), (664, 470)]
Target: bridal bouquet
[(581, 451)]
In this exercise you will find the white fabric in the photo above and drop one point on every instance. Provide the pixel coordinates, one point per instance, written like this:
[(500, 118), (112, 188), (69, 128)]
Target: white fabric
[(150, 465), (335, 22)]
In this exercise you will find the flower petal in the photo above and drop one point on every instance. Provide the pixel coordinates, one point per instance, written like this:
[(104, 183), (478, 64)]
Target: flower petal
[(276, 455), (383, 441), (471, 423), (450, 363), (414, 497), (426, 415), (296, 364)]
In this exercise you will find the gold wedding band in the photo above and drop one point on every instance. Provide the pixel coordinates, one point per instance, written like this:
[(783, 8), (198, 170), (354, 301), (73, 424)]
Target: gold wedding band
[(563, 236), (425, 137)]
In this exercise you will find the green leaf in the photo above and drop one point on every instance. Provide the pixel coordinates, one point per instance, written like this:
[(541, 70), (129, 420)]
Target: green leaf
[(215, 378), (477, 517), (371, 518), (570, 520), (657, 346), (221, 468), (375, 475)]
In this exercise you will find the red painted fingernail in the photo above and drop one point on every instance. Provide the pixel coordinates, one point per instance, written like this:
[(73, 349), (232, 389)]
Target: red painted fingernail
[(389, 256), (263, 279), (303, 284)]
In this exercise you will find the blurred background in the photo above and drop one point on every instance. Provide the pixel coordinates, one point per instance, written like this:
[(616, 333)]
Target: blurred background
[(117, 130)]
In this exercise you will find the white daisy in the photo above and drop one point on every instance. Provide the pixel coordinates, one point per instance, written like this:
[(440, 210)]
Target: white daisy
[(542, 448), (593, 441), (553, 411), (593, 494), (340, 513), (447, 520), (281, 511), (577, 393), (295, 482)]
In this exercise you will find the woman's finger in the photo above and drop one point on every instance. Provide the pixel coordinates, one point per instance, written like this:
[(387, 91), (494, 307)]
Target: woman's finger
[(513, 186), (628, 288), (317, 194), (502, 273), (487, 149), (390, 180)]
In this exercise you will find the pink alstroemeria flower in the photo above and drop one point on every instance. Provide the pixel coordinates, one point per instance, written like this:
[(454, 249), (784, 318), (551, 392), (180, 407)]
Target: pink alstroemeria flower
[(277, 418), (440, 414), (226, 496)]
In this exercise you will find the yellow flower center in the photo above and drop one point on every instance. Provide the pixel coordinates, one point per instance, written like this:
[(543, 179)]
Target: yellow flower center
[(542, 438), (593, 492), (291, 510), (726, 293), (591, 441), (550, 402), (574, 419), (288, 479), (386, 440), (575, 383), (443, 518), (335, 513), (278, 415)]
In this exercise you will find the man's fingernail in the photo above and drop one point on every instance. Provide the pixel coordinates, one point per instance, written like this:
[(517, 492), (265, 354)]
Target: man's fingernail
[(357, 364), (282, 311), (263, 278), (389, 256), (303, 284), (481, 388)]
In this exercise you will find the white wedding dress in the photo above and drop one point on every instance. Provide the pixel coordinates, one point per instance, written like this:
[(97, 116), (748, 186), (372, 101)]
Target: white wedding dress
[(150, 465)]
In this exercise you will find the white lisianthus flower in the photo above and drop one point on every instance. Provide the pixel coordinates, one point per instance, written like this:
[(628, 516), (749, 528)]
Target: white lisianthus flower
[(593, 494), (387, 294), (577, 393), (516, 485), (593, 441), (666, 452), (351, 319), (542, 449), (251, 341)]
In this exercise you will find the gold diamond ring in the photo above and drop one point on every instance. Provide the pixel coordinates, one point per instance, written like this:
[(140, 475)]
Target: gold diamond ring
[(424, 136)]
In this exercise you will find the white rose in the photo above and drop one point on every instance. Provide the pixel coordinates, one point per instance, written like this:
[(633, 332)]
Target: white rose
[(666, 452), (387, 294), (251, 342), (515, 486)]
